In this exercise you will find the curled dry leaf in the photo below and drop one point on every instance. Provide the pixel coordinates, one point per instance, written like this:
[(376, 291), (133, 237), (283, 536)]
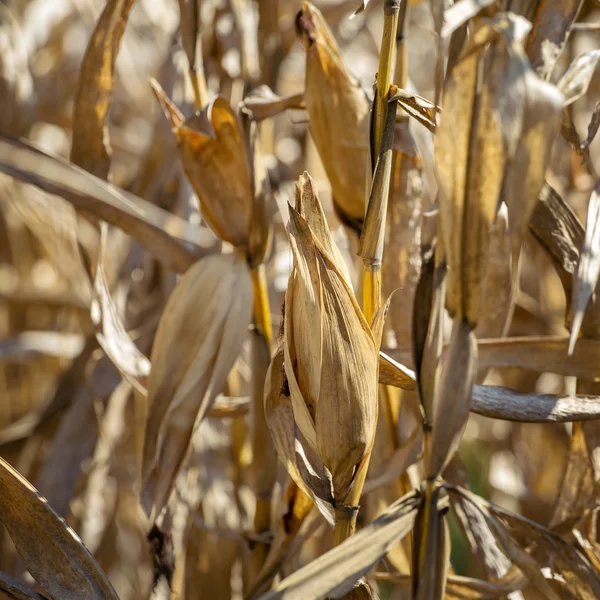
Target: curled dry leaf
[(453, 397), (52, 552), (338, 110), (214, 157), (577, 78), (198, 340), (332, 371), (263, 103), (420, 109), (91, 147), (588, 268), (334, 573)]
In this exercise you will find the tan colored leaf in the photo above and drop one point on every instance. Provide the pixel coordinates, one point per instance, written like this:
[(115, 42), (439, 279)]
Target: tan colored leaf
[(334, 573), (333, 380), (396, 374), (588, 268), (417, 107), (577, 78), (211, 150), (162, 234), (51, 551), (197, 341), (592, 129), (470, 160), (460, 12), (545, 354), (16, 590), (262, 103), (552, 24), (280, 420), (577, 486), (91, 148), (339, 115), (110, 329), (453, 398)]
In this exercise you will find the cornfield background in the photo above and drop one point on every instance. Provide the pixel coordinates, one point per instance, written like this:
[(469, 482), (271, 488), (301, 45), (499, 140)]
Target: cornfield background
[(299, 301)]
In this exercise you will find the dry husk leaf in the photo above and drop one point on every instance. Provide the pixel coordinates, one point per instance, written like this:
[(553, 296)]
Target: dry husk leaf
[(197, 341), (338, 110), (214, 157)]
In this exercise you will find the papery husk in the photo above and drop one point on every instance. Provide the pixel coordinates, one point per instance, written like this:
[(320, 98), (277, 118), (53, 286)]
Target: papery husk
[(197, 341), (213, 154), (338, 110), (332, 372)]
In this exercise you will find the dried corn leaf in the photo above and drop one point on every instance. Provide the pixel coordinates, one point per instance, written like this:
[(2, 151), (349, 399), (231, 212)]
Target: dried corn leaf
[(167, 237), (453, 398), (577, 78), (552, 22), (461, 12), (588, 268), (262, 103), (420, 109), (91, 146), (51, 551), (214, 158), (560, 233), (110, 329), (280, 420), (338, 110), (533, 548), (592, 129), (333, 375), (334, 573), (396, 374), (577, 486), (545, 354), (189, 11), (192, 355), (470, 160), (16, 590)]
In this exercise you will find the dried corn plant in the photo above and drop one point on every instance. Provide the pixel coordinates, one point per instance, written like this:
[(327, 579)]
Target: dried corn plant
[(298, 300)]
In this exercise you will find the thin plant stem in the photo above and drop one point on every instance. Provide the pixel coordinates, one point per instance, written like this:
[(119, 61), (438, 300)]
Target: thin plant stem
[(387, 60), (345, 523), (262, 312)]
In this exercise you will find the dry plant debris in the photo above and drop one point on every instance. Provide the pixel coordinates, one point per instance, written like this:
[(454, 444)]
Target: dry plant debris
[(299, 301)]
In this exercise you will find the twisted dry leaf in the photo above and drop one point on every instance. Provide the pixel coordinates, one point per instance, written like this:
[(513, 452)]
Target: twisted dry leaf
[(198, 340)]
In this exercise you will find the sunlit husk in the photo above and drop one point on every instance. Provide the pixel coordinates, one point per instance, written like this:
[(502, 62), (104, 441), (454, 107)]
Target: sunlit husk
[(338, 110), (213, 154), (331, 372), (198, 339)]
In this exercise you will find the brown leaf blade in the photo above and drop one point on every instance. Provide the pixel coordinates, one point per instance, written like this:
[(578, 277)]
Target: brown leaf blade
[(453, 398), (169, 238), (192, 355), (91, 148), (335, 572), (52, 551)]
